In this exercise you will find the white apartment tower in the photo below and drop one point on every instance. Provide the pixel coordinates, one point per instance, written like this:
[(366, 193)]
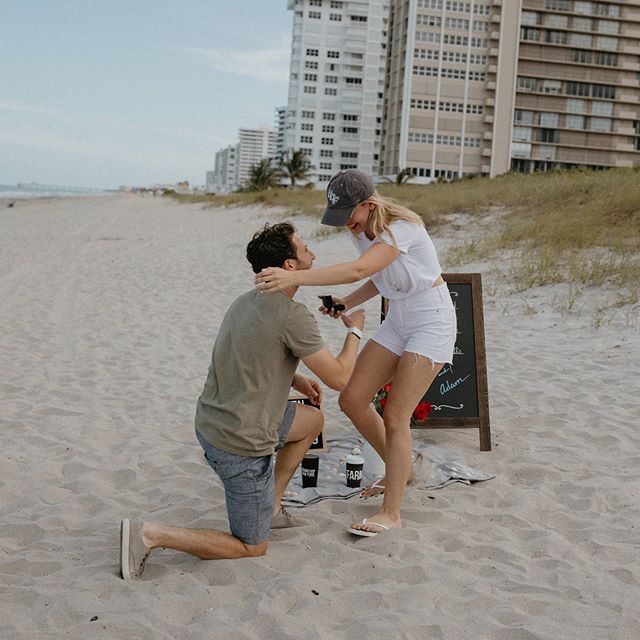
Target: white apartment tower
[(253, 145), (336, 84), (224, 173)]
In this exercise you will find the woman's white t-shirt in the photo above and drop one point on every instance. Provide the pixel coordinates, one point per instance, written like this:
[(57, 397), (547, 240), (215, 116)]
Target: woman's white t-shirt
[(416, 268)]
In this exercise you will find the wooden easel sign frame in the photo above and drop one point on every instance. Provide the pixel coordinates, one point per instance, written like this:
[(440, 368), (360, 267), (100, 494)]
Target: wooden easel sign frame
[(459, 395)]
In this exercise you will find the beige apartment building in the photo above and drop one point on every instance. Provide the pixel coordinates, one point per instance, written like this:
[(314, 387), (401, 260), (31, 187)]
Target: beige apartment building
[(483, 87)]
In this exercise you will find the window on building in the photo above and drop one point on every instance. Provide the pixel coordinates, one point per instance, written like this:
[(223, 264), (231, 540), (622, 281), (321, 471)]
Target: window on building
[(522, 134), (312, 52), (330, 91), (347, 117), (582, 24), (577, 88), (326, 153), (328, 128), (603, 91), (529, 33), (358, 18), (326, 165), (557, 21), (547, 135), (574, 122), (315, 15), (526, 84), (600, 124), (331, 79), (307, 126), (523, 117), (552, 86), (336, 4), (582, 7), (307, 139), (310, 77), (556, 37), (608, 26), (328, 116), (349, 154), (350, 130), (521, 150), (582, 56), (546, 153), (315, 3), (606, 44), (576, 106), (333, 54), (601, 108), (309, 90), (326, 140), (582, 40), (548, 119), (353, 80), (335, 17), (558, 5), (606, 59), (311, 64), (308, 114)]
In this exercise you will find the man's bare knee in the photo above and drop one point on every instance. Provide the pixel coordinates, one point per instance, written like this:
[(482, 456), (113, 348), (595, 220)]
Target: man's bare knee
[(256, 550)]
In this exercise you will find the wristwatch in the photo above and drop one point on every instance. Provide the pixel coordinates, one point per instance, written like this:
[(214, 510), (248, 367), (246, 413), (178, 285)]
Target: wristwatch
[(356, 332)]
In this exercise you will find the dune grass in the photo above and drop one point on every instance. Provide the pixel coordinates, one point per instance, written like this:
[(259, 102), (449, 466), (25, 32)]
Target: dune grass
[(567, 226)]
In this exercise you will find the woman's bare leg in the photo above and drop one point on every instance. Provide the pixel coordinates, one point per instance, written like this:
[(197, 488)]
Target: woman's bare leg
[(374, 368), (413, 377)]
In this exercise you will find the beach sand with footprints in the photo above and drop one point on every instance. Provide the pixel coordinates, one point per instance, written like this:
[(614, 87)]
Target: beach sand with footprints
[(109, 308)]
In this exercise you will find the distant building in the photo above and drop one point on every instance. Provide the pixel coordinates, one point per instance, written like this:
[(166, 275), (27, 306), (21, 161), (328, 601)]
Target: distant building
[(224, 173), (336, 83), (280, 122), (210, 182), (484, 87), (254, 145)]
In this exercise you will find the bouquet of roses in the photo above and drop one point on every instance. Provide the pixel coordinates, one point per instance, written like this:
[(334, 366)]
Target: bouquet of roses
[(420, 413)]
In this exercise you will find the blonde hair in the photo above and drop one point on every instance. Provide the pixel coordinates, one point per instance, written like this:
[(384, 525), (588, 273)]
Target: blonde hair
[(387, 211)]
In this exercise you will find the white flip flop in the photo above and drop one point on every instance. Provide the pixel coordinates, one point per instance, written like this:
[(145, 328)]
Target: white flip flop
[(367, 534)]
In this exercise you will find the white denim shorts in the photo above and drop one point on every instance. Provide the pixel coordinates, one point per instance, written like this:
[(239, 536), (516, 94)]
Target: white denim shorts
[(422, 323)]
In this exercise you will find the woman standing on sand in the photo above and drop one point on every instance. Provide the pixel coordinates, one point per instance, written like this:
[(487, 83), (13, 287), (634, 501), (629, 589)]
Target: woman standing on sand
[(399, 261)]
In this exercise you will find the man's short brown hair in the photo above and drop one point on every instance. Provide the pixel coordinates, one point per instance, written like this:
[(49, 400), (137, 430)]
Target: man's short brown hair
[(271, 246)]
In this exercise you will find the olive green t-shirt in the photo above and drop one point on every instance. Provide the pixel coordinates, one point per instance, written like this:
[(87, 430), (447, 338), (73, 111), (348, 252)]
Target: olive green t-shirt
[(259, 344)]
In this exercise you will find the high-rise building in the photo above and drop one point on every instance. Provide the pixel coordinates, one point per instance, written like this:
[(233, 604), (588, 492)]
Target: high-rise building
[(481, 87), (577, 95), (253, 146), (224, 173), (336, 81), (280, 122)]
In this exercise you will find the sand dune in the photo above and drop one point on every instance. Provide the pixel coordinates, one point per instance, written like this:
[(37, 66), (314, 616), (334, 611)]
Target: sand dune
[(109, 308)]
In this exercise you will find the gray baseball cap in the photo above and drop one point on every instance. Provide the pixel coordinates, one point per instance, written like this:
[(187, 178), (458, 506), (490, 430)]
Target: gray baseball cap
[(345, 190)]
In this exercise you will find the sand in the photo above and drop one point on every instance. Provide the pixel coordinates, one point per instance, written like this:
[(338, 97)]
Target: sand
[(109, 308)]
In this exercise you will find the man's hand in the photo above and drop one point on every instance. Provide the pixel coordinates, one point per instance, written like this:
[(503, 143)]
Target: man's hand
[(355, 319), (332, 311), (308, 387)]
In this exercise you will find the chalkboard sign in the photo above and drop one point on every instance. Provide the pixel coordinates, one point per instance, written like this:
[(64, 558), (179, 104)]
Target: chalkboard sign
[(459, 395)]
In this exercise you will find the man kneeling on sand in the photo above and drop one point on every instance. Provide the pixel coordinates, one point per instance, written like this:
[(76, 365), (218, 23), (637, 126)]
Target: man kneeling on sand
[(243, 416)]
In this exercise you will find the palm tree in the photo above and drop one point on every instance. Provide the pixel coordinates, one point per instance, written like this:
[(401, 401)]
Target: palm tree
[(262, 176), (295, 166), (404, 176)]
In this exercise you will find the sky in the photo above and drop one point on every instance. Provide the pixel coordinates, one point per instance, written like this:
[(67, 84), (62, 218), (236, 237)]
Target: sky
[(103, 93)]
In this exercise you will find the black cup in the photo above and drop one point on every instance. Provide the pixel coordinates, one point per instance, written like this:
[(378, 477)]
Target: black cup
[(354, 473), (309, 470)]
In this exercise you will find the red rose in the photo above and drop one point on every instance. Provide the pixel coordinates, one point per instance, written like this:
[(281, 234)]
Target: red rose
[(421, 412), (383, 402), (386, 388)]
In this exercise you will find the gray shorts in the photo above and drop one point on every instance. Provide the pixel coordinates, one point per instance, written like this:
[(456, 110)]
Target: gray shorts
[(249, 485)]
